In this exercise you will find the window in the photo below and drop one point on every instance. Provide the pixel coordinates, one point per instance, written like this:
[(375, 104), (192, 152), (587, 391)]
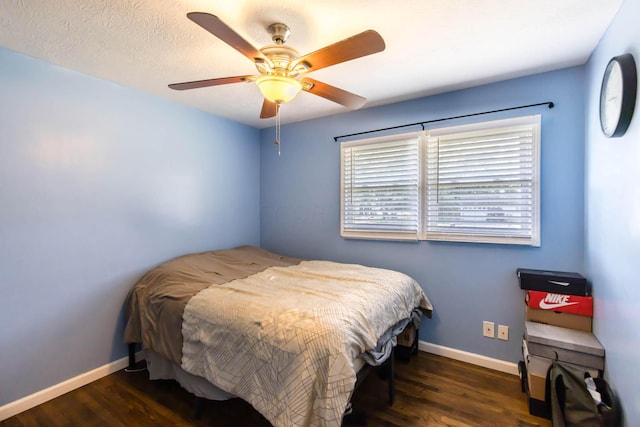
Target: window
[(380, 188), (470, 183), (482, 182)]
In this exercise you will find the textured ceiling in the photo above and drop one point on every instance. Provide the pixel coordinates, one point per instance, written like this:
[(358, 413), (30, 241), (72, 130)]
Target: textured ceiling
[(432, 46)]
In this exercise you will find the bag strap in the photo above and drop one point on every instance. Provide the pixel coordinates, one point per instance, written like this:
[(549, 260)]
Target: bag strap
[(547, 393), (555, 395)]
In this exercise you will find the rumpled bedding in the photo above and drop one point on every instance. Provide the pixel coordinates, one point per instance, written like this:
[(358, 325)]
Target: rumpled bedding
[(284, 337), (157, 301)]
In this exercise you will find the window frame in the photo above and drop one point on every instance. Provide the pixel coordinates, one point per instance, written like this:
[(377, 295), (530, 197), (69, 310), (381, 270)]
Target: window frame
[(379, 234), (422, 138), (534, 121)]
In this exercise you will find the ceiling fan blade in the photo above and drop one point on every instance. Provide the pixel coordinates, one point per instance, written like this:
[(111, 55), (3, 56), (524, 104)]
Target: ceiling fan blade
[(215, 26), (210, 82), (332, 93), (357, 46), (269, 109)]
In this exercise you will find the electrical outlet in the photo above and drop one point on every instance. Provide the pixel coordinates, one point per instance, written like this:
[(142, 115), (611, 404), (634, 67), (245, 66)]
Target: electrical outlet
[(487, 329), (503, 332)]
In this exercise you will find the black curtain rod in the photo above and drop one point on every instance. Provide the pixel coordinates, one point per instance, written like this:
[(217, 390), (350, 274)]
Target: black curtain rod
[(549, 103)]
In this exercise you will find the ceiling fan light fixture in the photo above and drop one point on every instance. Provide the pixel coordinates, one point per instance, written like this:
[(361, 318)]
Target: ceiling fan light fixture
[(278, 89)]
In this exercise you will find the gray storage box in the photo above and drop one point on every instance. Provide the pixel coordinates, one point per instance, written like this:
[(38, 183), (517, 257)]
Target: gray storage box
[(565, 345)]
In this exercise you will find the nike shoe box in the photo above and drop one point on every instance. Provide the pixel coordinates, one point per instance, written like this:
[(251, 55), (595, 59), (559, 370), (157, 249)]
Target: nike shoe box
[(557, 318), (574, 304), (563, 344), (557, 282)]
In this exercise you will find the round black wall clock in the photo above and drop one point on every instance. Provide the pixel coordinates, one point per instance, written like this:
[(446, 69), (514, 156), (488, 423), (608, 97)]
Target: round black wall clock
[(618, 95)]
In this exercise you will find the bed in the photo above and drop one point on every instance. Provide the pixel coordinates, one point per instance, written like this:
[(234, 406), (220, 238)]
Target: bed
[(287, 335)]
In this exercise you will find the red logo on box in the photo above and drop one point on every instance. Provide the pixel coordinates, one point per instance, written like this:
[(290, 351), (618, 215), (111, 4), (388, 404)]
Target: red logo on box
[(560, 302)]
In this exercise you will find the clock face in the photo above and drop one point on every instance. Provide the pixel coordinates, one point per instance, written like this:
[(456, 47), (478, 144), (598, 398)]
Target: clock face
[(611, 98)]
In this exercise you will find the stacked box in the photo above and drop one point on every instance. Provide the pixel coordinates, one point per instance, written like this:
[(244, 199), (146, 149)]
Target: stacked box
[(535, 376), (558, 282), (557, 298), (558, 314), (567, 311), (556, 318), (565, 345), (562, 303)]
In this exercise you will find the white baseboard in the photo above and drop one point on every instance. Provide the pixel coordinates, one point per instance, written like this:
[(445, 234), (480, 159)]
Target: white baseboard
[(474, 359), (42, 396)]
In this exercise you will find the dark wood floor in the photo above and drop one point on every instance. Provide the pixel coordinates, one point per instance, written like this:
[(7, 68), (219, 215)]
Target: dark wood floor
[(430, 391)]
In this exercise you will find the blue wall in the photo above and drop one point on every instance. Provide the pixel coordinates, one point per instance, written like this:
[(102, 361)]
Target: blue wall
[(613, 218), (467, 283), (97, 184)]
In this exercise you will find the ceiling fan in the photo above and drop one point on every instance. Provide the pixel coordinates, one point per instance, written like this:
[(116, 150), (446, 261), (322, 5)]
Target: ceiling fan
[(282, 70)]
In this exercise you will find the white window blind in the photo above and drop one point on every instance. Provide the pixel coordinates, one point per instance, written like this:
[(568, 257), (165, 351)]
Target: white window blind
[(482, 182), (380, 188), (470, 183)]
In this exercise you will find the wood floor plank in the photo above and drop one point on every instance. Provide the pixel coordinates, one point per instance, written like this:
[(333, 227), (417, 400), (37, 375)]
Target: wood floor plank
[(430, 391)]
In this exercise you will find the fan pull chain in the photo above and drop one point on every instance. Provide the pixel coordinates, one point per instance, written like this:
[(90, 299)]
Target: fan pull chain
[(277, 142)]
